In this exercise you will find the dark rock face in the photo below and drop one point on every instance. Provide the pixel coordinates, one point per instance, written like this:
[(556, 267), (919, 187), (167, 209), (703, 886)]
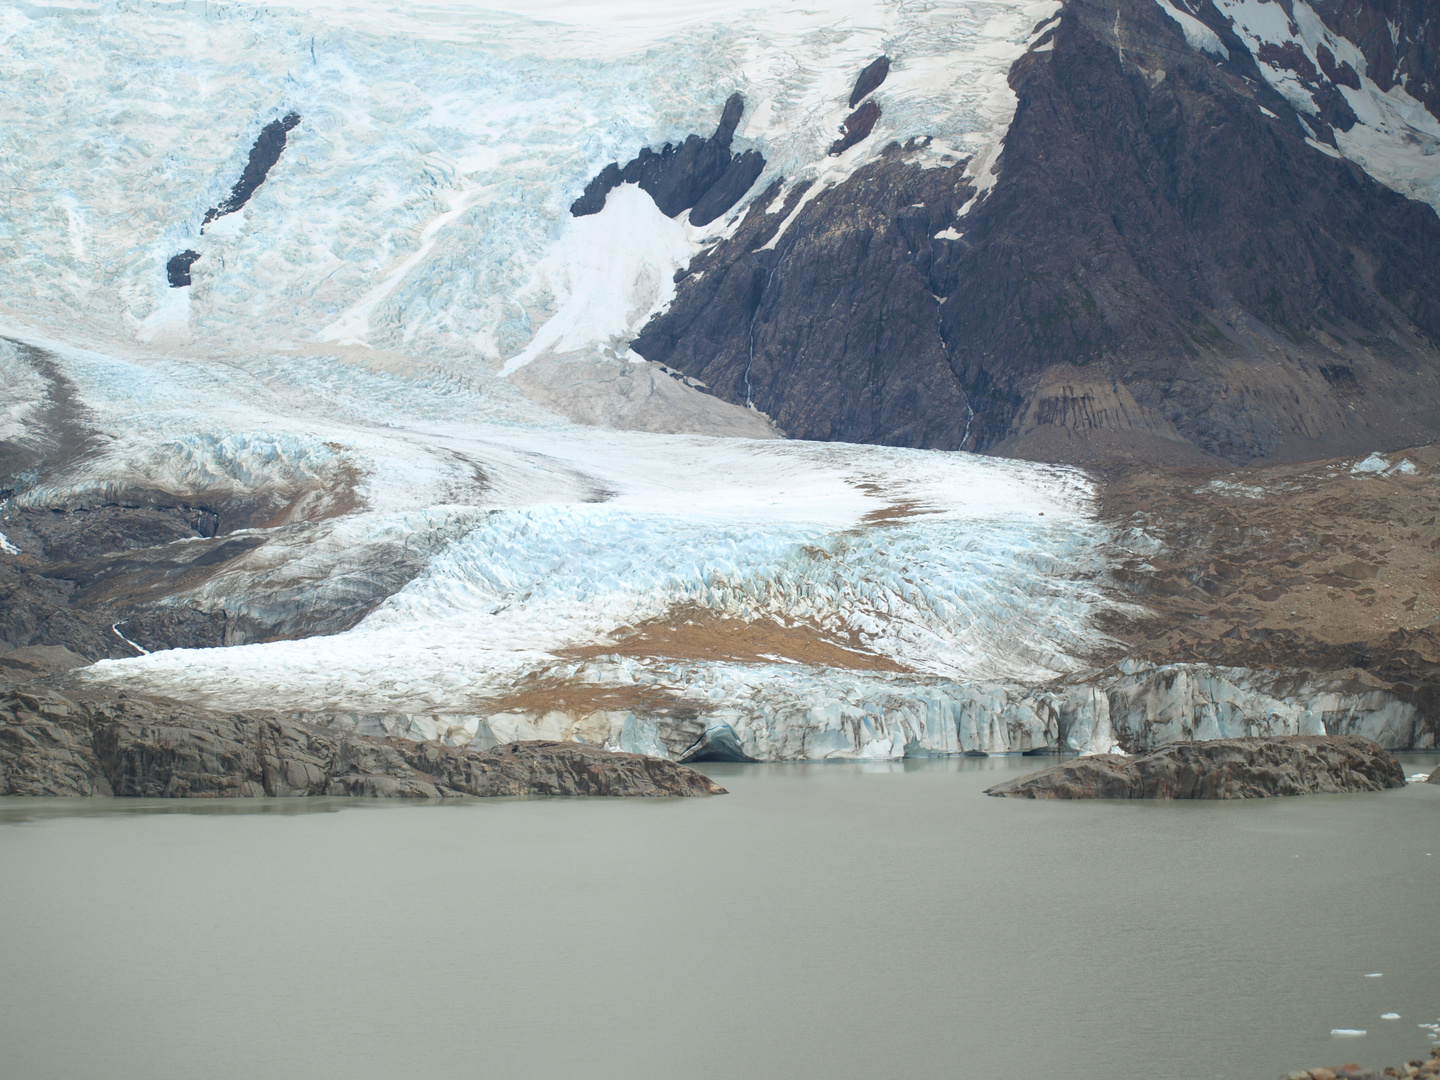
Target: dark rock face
[(855, 128), (263, 156), (177, 270), (739, 176), (54, 744), (1163, 263), (1434, 777), (699, 173), (81, 572), (1220, 769), (869, 79), (1400, 40), (835, 332)]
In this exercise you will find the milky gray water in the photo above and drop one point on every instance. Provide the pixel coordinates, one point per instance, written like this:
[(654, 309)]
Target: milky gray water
[(819, 921)]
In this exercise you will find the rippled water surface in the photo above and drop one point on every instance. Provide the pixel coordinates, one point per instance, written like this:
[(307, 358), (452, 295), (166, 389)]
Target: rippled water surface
[(819, 921)]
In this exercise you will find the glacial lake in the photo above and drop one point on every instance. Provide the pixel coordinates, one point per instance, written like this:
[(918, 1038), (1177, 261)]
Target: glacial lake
[(826, 921)]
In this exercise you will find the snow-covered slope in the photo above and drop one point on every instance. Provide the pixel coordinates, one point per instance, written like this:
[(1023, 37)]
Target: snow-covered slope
[(421, 200), (1394, 138)]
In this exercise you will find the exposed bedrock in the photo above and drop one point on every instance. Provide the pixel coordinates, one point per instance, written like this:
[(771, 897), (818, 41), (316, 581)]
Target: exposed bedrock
[(269, 145), (266, 151), (700, 175), (56, 744), (177, 270), (1222, 769), (856, 127), (1166, 268), (112, 581), (869, 79), (833, 332)]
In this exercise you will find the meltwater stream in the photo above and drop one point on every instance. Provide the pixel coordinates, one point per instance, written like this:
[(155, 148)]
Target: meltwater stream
[(819, 921)]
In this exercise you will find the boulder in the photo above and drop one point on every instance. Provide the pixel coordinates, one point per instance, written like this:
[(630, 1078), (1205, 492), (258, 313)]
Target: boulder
[(1219, 769)]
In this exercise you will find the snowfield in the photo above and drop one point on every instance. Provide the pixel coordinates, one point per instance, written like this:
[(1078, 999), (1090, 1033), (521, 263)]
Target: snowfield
[(421, 204)]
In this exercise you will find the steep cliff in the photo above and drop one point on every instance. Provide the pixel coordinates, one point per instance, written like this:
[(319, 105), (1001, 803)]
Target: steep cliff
[(1179, 256)]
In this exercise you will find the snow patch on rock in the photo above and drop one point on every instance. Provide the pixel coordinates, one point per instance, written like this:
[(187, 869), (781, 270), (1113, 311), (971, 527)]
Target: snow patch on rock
[(1396, 139)]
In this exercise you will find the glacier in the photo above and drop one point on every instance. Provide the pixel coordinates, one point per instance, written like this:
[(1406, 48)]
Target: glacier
[(376, 368)]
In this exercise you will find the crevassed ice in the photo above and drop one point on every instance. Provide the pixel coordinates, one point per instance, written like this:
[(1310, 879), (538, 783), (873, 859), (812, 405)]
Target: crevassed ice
[(347, 329), (982, 587), (437, 155)]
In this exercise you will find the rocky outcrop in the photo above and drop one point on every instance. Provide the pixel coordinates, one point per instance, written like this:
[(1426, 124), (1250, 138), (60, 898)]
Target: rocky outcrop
[(1424, 1070), (266, 151), (856, 127), (57, 744), (1434, 777), (1173, 261), (700, 175), (177, 270), (1222, 769), (832, 330), (269, 145), (869, 79)]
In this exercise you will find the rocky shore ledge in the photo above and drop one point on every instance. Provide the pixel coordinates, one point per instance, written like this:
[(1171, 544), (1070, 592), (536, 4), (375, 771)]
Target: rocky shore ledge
[(58, 744), (1219, 769), (1421, 1070)]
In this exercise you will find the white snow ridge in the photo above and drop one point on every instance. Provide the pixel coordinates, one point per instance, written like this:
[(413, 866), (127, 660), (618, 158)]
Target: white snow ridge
[(346, 347)]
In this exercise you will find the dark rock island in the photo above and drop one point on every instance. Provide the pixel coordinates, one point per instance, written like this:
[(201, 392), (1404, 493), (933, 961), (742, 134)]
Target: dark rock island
[(1219, 769)]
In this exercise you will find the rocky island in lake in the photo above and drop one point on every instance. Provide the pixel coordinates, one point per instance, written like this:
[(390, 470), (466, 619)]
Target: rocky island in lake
[(1219, 769)]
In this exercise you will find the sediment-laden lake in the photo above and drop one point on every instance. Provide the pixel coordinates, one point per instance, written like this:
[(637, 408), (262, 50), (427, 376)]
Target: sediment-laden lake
[(823, 921)]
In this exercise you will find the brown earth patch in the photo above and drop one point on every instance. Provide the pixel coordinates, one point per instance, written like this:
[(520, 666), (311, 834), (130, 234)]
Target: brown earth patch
[(693, 633), (897, 511), (545, 694), (1306, 566), (901, 511)]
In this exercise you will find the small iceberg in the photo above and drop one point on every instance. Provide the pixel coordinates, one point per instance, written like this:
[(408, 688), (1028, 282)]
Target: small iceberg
[(1347, 1031), (1375, 975), (1389, 1016)]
